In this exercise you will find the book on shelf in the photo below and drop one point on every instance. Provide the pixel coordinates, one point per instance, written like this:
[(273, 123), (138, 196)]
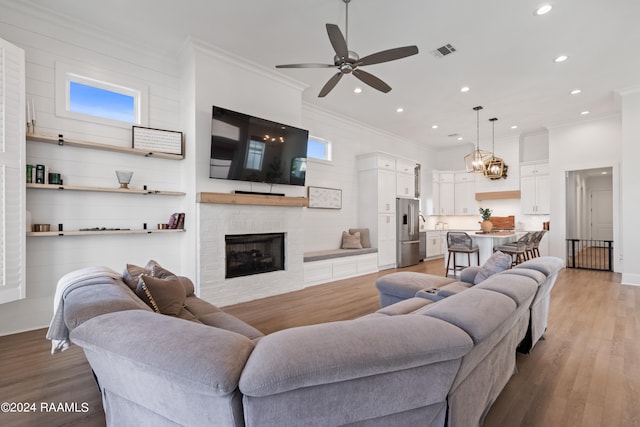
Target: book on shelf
[(176, 221), (30, 174)]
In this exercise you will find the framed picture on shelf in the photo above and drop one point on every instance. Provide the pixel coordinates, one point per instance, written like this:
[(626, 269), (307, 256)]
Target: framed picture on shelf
[(325, 198), (157, 140)]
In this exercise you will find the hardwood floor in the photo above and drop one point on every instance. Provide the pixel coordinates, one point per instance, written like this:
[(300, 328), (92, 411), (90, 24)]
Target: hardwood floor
[(585, 373)]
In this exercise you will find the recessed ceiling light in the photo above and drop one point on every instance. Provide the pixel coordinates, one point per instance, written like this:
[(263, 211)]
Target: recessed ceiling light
[(434, 127), (603, 172), (399, 110), (514, 127), (575, 91), (459, 138), (358, 90), (561, 58), (464, 89), (584, 113), (544, 9)]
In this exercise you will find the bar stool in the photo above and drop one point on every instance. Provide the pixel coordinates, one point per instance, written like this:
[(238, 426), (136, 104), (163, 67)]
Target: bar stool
[(536, 242), (519, 249), (460, 242)]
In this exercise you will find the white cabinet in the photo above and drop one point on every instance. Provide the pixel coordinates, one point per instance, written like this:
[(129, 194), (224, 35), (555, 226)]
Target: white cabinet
[(405, 178), (381, 178), (534, 189), (465, 194), (386, 240), (435, 244), (443, 193)]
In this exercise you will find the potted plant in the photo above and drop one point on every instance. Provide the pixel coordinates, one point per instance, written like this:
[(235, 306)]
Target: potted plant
[(486, 225)]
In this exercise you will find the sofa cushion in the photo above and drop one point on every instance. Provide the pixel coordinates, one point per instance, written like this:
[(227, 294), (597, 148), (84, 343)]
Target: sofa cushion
[(478, 312), (164, 296), (519, 288), (228, 322), (365, 239), (497, 262), (351, 241)]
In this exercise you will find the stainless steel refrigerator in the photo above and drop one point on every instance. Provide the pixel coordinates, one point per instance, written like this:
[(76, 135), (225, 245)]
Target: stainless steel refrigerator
[(408, 232)]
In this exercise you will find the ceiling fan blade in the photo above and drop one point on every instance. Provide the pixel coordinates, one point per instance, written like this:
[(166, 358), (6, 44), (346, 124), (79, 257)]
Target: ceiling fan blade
[(371, 80), (306, 66), (337, 41), (329, 85), (388, 55)]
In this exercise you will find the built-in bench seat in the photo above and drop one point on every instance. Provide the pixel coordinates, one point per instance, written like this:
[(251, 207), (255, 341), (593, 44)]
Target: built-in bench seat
[(334, 264), (336, 253)]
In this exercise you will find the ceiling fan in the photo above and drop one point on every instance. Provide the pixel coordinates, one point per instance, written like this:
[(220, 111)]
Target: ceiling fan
[(348, 62)]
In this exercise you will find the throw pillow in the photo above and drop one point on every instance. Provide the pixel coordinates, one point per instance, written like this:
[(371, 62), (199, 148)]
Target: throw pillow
[(365, 240), (497, 262), (156, 270), (351, 241), (131, 275), (164, 296)]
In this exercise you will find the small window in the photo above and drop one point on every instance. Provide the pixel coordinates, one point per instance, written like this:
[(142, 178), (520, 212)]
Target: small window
[(318, 148), (99, 97), (99, 102)]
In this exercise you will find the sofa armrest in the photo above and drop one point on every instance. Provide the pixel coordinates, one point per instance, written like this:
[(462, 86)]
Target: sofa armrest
[(132, 346), (341, 351)]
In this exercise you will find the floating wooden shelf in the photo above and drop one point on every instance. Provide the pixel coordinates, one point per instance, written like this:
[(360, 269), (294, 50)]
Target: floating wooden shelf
[(61, 140), (103, 189), (495, 195), (96, 232), (251, 199)]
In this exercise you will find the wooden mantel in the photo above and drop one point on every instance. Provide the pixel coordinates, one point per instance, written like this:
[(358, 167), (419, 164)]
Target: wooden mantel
[(251, 199)]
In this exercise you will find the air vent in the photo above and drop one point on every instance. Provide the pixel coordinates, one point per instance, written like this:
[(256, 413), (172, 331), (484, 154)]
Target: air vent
[(443, 51), (453, 135)]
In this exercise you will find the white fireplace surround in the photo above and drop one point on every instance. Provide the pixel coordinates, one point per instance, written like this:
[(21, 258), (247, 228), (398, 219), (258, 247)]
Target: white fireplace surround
[(217, 220)]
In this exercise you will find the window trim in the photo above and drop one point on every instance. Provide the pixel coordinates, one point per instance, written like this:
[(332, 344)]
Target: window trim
[(327, 150), (101, 79)]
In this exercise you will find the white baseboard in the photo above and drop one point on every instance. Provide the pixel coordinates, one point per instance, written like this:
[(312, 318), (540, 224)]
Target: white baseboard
[(630, 279)]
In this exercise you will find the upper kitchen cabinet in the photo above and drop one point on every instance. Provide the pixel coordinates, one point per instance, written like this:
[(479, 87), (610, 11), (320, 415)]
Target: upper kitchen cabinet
[(405, 178), (465, 194), (534, 188)]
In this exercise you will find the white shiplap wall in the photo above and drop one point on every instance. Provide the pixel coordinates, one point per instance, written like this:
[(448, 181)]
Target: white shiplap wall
[(46, 40)]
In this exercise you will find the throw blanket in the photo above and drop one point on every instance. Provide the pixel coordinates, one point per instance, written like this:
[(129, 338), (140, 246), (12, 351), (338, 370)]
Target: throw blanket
[(58, 332)]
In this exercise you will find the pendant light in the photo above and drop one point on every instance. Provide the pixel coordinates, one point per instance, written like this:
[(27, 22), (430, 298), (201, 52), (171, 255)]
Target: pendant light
[(494, 167), (475, 161)]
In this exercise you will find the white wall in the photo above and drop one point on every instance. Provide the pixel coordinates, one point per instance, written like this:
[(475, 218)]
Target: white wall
[(585, 144), (629, 178)]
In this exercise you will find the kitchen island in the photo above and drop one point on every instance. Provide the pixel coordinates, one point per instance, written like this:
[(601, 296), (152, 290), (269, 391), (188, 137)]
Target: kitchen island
[(486, 242)]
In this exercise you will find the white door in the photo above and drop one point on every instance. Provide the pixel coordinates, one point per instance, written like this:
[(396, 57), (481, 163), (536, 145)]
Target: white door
[(601, 215)]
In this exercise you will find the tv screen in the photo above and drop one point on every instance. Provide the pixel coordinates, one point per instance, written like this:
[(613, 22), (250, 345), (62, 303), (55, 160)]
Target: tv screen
[(248, 148)]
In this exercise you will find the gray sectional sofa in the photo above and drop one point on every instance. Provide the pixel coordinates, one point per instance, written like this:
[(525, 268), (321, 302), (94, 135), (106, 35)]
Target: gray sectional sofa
[(415, 362)]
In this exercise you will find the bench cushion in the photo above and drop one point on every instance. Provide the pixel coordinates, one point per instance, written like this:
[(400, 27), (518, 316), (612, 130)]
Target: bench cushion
[(336, 253)]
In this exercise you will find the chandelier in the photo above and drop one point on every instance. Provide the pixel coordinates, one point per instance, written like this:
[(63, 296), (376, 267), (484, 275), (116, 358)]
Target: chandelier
[(475, 161), (494, 167)]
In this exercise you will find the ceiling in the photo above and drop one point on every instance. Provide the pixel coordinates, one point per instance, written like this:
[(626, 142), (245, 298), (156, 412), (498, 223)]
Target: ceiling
[(505, 55)]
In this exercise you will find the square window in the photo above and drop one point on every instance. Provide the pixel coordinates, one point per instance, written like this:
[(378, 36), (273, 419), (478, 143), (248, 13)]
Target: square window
[(318, 148)]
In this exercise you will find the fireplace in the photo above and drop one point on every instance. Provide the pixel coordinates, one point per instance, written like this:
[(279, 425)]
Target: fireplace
[(248, 254)]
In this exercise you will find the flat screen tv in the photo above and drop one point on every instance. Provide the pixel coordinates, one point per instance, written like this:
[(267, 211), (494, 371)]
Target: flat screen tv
[(248, 148)]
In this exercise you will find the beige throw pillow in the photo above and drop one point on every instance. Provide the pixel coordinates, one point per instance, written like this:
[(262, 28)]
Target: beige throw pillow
[(164, 296), (351, 241)]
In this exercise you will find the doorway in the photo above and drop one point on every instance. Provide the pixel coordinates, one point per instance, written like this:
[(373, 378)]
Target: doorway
[(589, 221)]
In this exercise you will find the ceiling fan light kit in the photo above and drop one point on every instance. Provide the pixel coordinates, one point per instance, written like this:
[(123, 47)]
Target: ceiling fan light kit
[(349, 62)]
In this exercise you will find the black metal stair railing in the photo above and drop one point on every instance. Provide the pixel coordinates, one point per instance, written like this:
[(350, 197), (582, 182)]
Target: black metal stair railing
[(590, 254)]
